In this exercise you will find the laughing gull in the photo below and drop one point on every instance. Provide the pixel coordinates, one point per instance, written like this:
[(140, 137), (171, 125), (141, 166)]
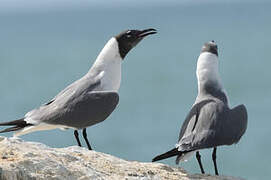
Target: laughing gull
[(89, 100), (210, 122)]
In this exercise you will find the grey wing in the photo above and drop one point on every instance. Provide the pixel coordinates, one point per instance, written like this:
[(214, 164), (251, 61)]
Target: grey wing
[(191, 119), (56, 106), (207, 132), (83, 84), (216, 125), (238, 122), (86, 110)]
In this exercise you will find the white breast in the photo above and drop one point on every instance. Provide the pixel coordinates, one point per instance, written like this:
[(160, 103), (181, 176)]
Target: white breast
[(207, 69)]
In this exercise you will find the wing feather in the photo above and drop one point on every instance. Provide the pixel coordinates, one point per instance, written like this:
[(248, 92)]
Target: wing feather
[(86, 110), (216, 125)]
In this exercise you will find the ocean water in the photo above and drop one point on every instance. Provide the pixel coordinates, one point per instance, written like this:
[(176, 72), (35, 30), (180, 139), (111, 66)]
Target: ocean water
[(41, 52)]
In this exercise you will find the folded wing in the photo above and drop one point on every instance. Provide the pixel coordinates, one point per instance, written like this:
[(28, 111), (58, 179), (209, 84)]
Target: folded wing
[(213, 124)]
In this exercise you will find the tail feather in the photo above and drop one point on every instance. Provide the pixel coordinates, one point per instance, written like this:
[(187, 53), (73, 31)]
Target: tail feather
[(171, 153), (17, 125)]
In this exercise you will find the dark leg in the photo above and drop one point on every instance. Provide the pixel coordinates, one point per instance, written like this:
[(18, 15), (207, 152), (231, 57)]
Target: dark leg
[(77, 138), (199, 161), (214, 160), (86, 139)]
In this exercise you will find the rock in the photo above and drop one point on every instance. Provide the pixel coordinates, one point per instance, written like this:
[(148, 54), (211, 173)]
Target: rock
[(21, 160)]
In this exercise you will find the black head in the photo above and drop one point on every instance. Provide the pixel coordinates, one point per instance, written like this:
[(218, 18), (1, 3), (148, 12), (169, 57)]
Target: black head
[(130, 38), (210, 47)]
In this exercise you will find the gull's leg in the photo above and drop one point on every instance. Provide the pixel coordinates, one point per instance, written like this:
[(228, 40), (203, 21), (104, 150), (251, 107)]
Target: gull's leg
[(214, 160), (86, 139), (199, 161), (77, 138)]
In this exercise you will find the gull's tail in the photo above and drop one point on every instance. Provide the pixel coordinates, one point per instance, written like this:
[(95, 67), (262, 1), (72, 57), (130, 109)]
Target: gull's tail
[(16, 125), (171, 153)]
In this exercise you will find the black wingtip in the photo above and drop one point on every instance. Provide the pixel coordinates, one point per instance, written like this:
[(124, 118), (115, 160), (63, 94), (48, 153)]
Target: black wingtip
[(17, 125), (171, 153), (19, 122), (157, 158), (15, 128)]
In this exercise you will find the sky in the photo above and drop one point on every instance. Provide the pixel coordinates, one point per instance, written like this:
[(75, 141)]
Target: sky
[(37, 5)]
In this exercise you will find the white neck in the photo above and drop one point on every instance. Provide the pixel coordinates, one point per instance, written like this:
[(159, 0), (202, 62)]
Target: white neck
[(207, 71), (108, 66)]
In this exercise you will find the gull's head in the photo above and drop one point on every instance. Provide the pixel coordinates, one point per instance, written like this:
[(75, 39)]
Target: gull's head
[(130, 38), (210, 47), (208, 59)]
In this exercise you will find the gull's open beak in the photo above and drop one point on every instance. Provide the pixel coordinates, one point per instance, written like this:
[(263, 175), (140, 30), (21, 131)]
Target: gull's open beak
[(141, 34), (146, 32)]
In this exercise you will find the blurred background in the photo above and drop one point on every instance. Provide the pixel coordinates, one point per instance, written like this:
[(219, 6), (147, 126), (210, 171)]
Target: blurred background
[(46, 45)]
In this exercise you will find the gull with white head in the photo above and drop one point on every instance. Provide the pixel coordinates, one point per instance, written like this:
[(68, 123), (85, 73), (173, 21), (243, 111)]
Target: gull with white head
[(210, 122)]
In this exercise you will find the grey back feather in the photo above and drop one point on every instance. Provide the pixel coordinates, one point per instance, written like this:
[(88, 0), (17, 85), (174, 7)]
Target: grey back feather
[(238, 117), (87, 109), (211, 123), (79, 105)]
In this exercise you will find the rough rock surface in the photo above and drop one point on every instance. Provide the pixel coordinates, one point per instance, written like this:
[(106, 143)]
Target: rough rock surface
[(21, 160)]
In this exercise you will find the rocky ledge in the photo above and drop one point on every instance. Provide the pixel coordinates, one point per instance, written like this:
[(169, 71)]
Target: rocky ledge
[(21, 160)]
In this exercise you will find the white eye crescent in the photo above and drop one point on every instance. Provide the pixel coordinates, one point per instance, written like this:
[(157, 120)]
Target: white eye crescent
[(128, 34)]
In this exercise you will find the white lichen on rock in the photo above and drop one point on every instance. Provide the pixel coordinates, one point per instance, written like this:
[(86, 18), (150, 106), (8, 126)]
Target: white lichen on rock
[(21, 160)]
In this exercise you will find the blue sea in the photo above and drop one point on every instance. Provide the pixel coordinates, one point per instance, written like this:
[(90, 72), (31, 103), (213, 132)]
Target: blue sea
[(41, 52)]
